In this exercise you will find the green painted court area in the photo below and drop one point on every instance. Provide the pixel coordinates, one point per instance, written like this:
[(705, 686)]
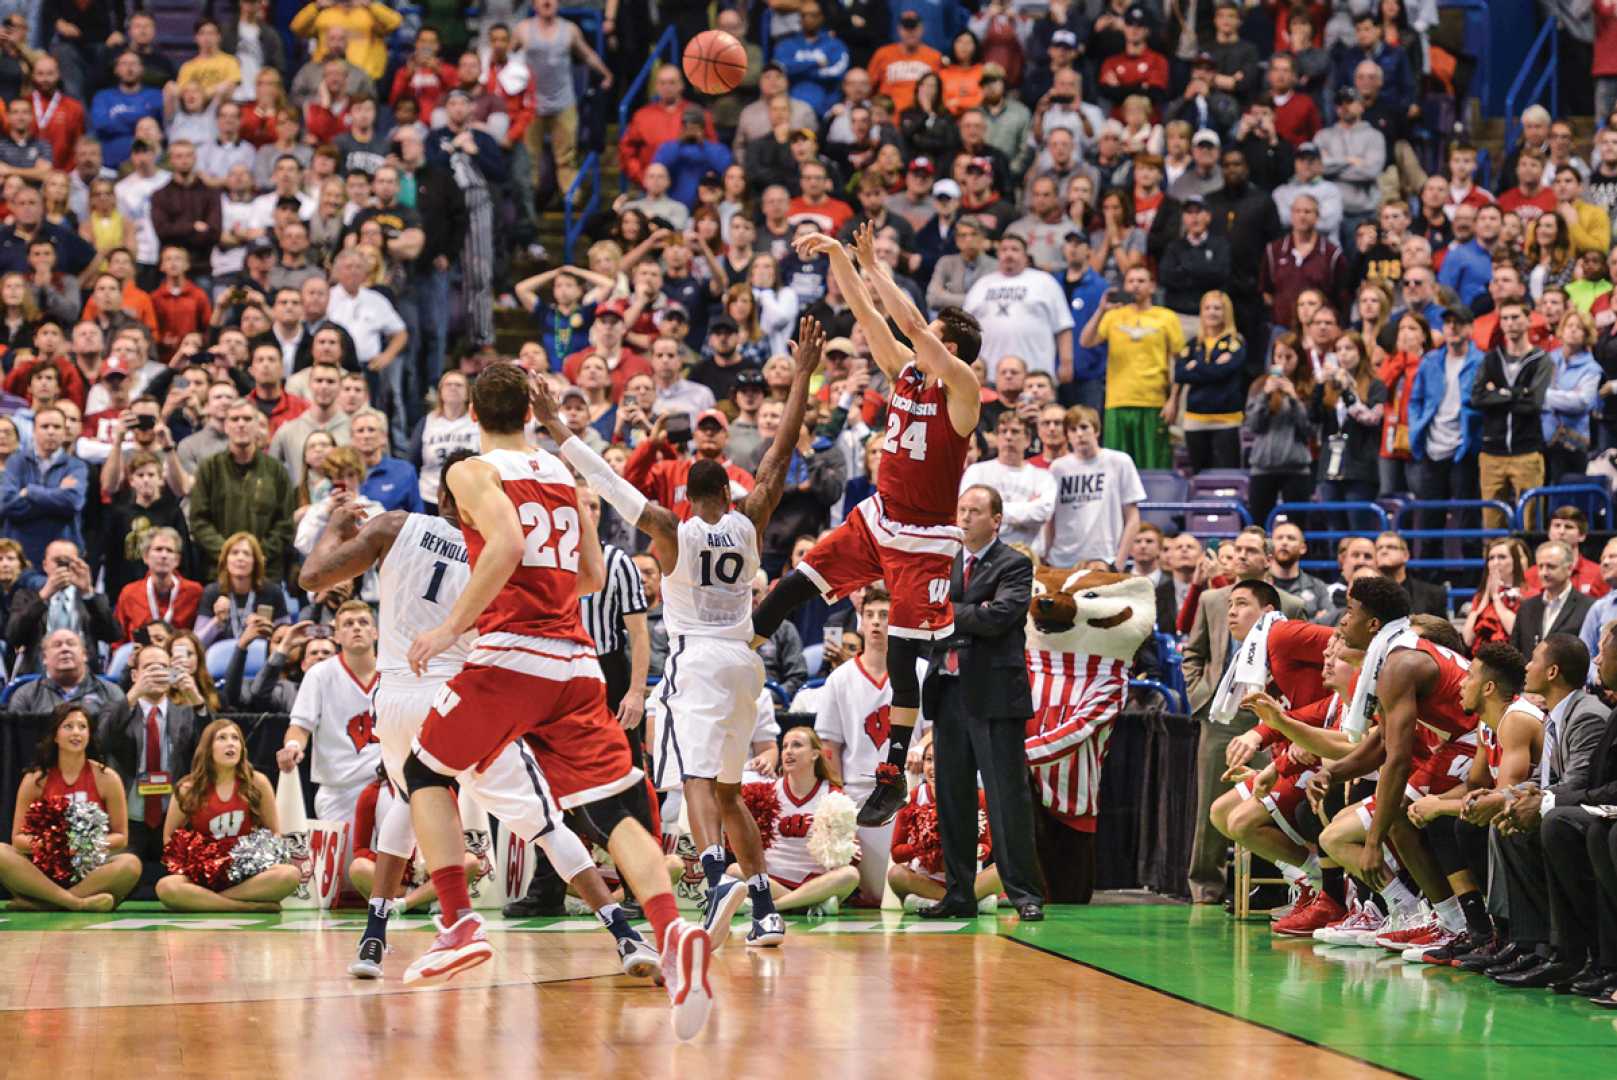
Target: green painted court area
[(1418, 1020)]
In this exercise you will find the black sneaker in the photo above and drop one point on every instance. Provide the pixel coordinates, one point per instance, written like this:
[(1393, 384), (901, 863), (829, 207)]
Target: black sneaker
[(534, 907), (886, 800), (1448, 955), (368, 964)]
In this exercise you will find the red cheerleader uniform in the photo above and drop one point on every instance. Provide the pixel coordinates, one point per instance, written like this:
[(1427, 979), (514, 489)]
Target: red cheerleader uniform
[(218, 818), (82, 789)]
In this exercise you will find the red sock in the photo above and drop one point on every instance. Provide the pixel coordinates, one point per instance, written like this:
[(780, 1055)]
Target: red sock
[(662, 912), (450, 882)]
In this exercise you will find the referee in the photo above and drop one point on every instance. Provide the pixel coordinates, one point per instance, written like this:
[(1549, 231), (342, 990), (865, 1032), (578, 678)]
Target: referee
[(615, 618)]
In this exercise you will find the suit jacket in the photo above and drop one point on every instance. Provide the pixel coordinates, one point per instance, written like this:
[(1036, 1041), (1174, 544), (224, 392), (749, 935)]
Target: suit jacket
[(1426, 598), (1598, 783), (990, 637), (1209, 644), (1576, 740), (1530, 629), (25, 629), (120, 727), (1167, 605)]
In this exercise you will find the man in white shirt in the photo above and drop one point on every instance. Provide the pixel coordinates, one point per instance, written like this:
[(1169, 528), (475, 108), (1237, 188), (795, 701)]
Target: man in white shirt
[(379, 333), (333, 709), (1023, 311), (1098, 493), (1028, 492), (134, 194), (675, 393), (226, 150)]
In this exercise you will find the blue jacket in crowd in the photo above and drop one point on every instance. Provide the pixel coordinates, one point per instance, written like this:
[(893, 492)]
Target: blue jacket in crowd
[(49, 511), (395, 484), (815, 68), (687, 163), (1467, 269), (1084, 296), (1216, 375), (1573, 394), (1426, 397)]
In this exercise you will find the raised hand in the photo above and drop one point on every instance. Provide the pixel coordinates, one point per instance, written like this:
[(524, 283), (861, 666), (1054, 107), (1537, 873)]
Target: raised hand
[(814, 245), (806, 349), (864, 244), (543, 403)]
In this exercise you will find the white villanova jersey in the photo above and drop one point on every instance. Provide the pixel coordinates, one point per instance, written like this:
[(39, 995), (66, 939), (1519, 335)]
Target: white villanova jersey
[(709, 591), (419, 581)]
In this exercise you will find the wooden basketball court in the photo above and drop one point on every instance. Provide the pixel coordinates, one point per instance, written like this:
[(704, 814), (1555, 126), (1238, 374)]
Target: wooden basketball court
[(858, 996)]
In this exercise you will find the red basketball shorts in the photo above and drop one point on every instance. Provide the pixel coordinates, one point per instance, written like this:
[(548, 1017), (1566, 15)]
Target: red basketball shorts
[(915, 562), (549, 694)]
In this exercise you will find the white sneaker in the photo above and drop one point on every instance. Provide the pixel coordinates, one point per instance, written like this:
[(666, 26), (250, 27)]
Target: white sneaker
[(1372, 924), (1360, 918), (685, 957), (988, 904), (575, 907), (825, 908), (638, 957), (767, 932), (913, 903), (456, 948)]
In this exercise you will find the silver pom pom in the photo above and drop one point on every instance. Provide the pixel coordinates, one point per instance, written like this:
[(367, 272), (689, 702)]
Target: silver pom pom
[(86, 837), (255, 853)]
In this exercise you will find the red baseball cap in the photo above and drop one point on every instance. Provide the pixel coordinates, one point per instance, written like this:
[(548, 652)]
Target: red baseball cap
[(114, 365), (714, 415), (612, 307)]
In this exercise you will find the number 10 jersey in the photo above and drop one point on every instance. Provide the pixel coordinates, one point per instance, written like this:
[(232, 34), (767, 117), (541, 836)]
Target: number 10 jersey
[(709, 591)]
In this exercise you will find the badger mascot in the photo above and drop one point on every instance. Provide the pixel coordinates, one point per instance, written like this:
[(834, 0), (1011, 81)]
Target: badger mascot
[(1083, 629)]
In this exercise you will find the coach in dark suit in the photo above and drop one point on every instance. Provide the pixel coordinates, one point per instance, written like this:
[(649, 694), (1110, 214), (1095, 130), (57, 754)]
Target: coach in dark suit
[(126, 730), (1559, 609), (978, 698)]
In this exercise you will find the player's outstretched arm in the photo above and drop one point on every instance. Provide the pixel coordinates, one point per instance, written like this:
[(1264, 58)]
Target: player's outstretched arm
[(962, 390), (765, 495), (482, 502), (891, 356), (653, 519), (342, 554)]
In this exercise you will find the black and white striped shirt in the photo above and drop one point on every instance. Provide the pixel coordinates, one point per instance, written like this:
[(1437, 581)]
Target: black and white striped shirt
[(623, 594)]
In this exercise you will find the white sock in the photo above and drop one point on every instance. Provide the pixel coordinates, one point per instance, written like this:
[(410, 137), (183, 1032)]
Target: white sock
[(1450, 915), (607, 913), (1316, 876), (1294, 875), (383, 908), (1397, 894)]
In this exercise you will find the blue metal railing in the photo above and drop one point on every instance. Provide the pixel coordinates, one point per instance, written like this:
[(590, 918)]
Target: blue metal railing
[(1593, 498), (1518, 97), (1329, 537), (667, 51), (573, 221), (590, 21), (1205, 517)]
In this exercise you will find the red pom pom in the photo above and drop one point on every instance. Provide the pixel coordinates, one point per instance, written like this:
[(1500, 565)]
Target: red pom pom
[(46, 822), (200, 859), (928, 844), (764, 805)]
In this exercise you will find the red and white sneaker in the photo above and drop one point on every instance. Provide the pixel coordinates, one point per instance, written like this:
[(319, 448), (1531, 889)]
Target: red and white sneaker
[(1439, 937), (686, 952), (1362, 919), (1321, 912), (1302, 894), (1408, 929), (455, 949)]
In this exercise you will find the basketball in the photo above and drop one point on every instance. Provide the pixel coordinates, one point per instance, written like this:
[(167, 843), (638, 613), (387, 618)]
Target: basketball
[(715, 62)]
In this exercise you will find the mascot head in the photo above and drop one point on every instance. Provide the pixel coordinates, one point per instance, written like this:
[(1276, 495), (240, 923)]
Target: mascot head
[(1092, 612)]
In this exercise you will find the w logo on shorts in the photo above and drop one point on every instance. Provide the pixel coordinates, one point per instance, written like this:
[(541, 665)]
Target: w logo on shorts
[(937, 590), (878, 725)]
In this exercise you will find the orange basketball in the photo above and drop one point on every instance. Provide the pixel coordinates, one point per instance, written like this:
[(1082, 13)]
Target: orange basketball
[(715, 62)]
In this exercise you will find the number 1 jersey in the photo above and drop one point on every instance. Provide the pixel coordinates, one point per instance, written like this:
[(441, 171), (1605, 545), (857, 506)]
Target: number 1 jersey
[(419, 580), (541, 598), (709, 591)]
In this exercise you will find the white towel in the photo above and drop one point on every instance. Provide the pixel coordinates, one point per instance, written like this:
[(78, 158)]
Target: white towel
[(1247, 673), (1395, 635)]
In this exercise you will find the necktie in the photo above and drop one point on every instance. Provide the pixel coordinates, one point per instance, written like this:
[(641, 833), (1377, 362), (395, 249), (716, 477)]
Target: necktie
[(154, 763), (951, 662), (1547, 751)]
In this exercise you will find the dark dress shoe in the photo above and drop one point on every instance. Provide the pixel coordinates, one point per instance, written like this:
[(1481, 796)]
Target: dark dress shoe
[(1598, 982), (1031, 911), (1608, 1000), (1512, 957), (1586, 971), (1540, 976), (945, 910), (1480, 958)]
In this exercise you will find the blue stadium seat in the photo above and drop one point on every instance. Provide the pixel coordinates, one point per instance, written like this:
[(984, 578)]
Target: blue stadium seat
[(1593, 497), (1220, 484), (1172, 699), (1164, 485), (13, 686), (219, 653), (814, 655), (119, 662), (779, 693)]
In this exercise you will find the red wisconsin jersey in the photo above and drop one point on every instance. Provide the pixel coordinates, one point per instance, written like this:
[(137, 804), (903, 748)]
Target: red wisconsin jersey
[(922, 455), (1297, 660), (1439, 711), (82, 789), (541, 599), (219, 818), (1326, 713)]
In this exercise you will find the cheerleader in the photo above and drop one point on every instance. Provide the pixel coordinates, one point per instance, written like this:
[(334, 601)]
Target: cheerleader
[(224, 796), (796, 880), (67, 766), (916, 872), (378, 798)]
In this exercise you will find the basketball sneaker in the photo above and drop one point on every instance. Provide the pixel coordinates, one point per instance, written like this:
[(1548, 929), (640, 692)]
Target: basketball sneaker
[(456, 948), (686, 954), (886, 800), (1300, 896), (1320, 912), (368, 964), (825, 909), (1448, 955), (988, 904), (767, 932), (1334, 933), (637, 956), (723, 901), (1438, 937), (1402, 930)]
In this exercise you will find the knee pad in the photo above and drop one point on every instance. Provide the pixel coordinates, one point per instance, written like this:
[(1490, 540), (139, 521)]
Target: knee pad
[(418, 774), (565, 851), (598, 819), (902, 654), (790, 593)]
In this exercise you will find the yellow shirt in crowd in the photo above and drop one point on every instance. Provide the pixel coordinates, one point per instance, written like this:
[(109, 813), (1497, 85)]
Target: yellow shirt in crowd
[(367, 24), (212, 72), (1140, 347)]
